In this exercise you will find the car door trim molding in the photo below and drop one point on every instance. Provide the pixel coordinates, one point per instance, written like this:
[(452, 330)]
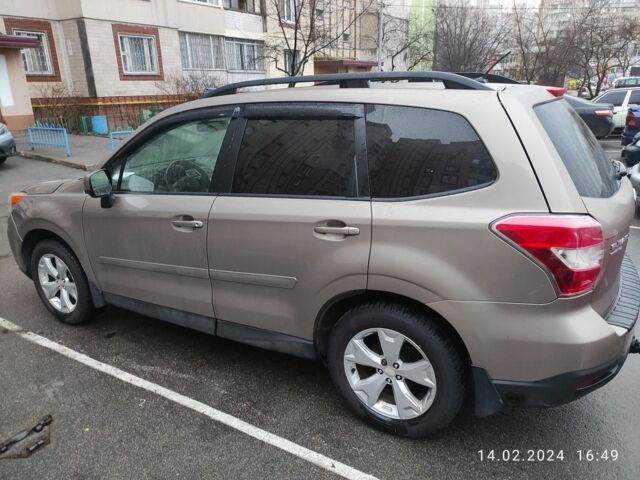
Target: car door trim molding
[(260, 279), (155, 267)]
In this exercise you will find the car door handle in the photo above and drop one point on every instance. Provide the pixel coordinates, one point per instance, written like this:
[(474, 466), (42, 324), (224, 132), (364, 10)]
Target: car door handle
[(187, 223), (350, 231)]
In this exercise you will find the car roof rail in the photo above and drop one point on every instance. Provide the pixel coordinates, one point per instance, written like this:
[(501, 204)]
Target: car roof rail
[(354, 80)]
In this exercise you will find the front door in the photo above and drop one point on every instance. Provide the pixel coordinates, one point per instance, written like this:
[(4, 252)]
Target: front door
[(295, 229), (151, 245)]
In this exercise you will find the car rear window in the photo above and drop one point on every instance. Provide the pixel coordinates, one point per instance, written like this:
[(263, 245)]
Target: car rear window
[(591, 171)]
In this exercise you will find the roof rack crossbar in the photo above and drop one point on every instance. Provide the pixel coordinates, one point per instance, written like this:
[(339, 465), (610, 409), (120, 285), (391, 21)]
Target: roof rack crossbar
[(354, 80)]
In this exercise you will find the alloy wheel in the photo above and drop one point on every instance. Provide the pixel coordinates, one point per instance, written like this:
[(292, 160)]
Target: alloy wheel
[(57, 283), (389, 373)]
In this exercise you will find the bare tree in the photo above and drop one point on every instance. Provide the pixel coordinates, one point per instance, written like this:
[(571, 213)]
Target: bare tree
[(467, 37), (602, 36), (304, 28), (629, 32), (407, 43), (187, 85)]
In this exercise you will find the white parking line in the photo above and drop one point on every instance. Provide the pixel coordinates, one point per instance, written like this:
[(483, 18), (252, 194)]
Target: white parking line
[(634, 227), (229, 420)]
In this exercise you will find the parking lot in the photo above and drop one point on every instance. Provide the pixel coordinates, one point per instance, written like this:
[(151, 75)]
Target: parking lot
[(150, 400)]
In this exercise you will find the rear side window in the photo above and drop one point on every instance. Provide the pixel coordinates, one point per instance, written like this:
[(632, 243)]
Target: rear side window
[(615, 98), (418, 151), (635, 98), (591, 171), (302, 157)]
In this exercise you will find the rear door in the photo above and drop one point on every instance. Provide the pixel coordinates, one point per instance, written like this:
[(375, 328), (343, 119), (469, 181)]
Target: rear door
[(294, 228)]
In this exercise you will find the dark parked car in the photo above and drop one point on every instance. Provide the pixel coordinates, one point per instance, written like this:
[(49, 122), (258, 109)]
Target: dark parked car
[(631, 125), (631, 155), (597, 116)]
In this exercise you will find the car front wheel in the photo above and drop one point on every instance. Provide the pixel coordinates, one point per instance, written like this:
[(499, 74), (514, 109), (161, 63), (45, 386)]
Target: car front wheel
[(61, 282)]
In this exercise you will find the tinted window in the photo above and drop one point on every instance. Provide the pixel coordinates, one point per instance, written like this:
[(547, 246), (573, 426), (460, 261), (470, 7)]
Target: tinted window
[(615, 98), (591, 171), (178, 160), (416, 151), (297, 157), (635, 98)]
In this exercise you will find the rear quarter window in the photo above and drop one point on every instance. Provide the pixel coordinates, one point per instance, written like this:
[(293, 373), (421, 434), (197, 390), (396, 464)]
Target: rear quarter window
[(591, 171), (418, 151)]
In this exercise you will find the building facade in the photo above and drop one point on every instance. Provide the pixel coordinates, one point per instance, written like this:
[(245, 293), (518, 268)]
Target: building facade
[(119, 57), (135, 47)]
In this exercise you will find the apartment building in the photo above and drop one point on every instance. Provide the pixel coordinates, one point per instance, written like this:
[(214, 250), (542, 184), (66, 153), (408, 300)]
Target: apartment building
[(135, 47)]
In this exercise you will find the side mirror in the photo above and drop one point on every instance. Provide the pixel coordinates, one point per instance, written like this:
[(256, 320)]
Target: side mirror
[(98, 185)]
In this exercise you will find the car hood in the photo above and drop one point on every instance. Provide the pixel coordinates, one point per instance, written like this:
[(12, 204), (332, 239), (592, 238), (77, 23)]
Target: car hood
[(51, 186)]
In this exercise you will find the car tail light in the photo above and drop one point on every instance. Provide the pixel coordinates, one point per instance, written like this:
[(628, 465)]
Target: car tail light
[(569, 247), (632, 121), (557, 91), (603, 113)]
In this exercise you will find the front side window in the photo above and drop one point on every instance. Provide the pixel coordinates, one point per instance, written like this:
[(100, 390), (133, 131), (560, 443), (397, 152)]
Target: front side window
[(179, 160), (417, 151), (201, 52), (139, 55), (615, 98), (37, 61), (302, 157), (244, 55)]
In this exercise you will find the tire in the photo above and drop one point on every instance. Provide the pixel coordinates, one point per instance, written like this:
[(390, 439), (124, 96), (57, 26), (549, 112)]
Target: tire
[(439, 404), (2, 159), (72, 312)]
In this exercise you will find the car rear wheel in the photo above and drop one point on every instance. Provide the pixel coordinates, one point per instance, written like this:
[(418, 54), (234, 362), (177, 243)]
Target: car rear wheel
[(398, 370), (61, 282)]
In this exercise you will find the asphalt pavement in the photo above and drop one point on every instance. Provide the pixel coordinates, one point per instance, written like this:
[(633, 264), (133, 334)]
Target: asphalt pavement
[(104, 427)]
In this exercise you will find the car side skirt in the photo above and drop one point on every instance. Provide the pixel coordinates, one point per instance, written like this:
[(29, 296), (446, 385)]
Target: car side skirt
[(256, 337)]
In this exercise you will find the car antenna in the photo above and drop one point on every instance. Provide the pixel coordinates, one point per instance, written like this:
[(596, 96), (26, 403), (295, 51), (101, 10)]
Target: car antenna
[(494, 64)]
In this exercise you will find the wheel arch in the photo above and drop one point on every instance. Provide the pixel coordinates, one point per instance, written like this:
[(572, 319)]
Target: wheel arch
[(333, 309)]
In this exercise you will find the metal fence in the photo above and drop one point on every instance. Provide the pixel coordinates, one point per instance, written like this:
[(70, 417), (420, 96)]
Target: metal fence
[(49, 135), (122, 113), (115, 137)]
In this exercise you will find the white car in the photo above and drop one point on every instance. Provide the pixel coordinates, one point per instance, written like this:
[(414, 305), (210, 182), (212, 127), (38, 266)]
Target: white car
[(620, 98)]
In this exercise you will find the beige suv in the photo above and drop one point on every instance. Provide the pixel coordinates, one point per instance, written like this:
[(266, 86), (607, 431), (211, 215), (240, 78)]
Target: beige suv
[(426, 243)]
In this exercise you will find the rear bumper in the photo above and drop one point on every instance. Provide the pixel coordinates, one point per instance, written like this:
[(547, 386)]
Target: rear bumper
[(492, 395)]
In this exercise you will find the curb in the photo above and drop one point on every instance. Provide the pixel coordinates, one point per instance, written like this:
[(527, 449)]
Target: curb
[(59, 161)]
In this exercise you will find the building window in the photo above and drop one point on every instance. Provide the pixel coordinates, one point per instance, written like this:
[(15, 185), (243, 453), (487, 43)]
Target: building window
[(37, 61), (244, 55), (206, 2), (139, 55), (201, 52), (288, 13), (291, 58), (251, 6)]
